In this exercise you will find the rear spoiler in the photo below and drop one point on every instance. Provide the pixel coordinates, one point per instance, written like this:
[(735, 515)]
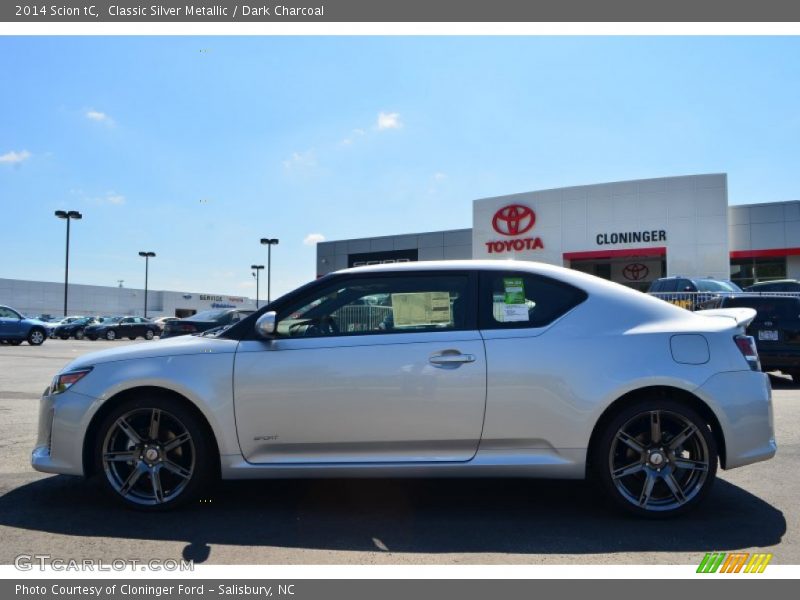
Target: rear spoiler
[(743, 316)]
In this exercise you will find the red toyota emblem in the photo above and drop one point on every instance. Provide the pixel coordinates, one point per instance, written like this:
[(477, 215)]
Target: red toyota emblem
[(635, 271), (513, 219)]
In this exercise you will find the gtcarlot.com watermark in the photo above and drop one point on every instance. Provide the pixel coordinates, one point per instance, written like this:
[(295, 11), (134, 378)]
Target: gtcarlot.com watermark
[(42, 562)]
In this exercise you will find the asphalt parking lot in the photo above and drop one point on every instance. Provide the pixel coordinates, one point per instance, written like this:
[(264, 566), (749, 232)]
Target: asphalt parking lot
[(378, 521)]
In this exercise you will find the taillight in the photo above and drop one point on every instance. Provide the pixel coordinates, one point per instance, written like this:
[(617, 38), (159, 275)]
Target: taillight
[(747, 346)]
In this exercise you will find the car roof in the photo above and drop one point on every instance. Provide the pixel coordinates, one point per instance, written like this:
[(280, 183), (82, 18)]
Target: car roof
[(774, 281)]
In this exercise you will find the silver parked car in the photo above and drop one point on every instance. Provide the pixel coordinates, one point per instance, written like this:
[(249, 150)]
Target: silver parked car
[(463, 368)]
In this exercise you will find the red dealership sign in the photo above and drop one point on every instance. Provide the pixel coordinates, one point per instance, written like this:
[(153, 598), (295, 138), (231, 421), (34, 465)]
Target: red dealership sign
[(513, 220)]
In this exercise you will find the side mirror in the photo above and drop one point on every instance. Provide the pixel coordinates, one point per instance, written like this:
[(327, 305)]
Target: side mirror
[(265, 326)]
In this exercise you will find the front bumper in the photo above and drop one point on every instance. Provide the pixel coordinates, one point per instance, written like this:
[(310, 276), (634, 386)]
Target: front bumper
[(59, 440), (742, 402)]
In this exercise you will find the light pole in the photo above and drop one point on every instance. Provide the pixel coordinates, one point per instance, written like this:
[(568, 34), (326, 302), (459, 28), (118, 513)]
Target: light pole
[(269, 243), (256, 272), (68, 215), (147, 256)]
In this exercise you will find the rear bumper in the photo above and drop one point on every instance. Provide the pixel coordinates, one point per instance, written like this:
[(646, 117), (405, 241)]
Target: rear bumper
[(742, 402)]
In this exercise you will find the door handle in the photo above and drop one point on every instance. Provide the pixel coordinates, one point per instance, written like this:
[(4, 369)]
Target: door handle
[(451, 359)]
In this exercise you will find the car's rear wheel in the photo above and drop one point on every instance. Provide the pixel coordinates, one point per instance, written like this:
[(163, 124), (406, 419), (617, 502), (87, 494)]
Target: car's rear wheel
[(656, 458), (79, 334), (36, 337), (149, 335), (152, 453), (111, 335)]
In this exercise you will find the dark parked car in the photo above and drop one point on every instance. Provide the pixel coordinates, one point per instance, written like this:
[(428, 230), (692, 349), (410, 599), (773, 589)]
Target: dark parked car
[(16, 328), (779, 285), (74, 328), (691, 292), (204, 321), (776, 330), (119, 327)]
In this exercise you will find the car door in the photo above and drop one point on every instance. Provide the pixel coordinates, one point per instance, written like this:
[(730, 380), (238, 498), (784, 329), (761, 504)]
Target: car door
[(125, 327), (378, 368), (10, 323)]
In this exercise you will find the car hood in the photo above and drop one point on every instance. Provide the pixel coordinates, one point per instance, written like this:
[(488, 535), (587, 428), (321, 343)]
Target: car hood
[(178, 346)]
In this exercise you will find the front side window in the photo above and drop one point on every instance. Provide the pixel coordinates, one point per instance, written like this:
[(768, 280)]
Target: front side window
[(388, 304), (520, 300), (7, 313)]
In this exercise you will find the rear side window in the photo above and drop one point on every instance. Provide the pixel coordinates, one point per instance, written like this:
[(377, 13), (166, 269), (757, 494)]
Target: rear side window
[(512, 300)]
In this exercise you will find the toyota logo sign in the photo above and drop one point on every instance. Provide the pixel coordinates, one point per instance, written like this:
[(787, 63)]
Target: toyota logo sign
[(513, 219), (635, 271)]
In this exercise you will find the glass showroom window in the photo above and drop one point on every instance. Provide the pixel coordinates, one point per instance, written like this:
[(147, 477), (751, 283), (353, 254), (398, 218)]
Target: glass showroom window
[(747, 271)]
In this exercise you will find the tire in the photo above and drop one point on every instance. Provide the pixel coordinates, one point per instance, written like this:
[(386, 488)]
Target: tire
[(149, 335), (111, 335), (679, 471), (180, 473), (36, 336), (79, 334)]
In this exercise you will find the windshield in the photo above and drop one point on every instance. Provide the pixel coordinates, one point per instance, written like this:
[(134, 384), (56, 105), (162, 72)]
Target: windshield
[(711, 285), (208, 315), (84, 321), (112, 320)]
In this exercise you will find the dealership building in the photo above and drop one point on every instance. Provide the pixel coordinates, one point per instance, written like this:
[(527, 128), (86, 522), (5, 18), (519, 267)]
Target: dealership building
[(631, 232), (47, 298)]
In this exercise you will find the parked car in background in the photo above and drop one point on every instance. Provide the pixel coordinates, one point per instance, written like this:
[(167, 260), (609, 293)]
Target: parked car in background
[(113, 328), (203, 321), (778, 285), (16, 328), (691, 293), (52, 325), (74, 328), (776, 329), (475, 376), (161, 321)]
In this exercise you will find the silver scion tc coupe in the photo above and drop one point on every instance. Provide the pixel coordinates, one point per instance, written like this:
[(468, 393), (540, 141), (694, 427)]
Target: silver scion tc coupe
[(471, 368)]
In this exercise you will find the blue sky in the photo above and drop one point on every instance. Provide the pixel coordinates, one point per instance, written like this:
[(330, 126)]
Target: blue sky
[(196, 147)]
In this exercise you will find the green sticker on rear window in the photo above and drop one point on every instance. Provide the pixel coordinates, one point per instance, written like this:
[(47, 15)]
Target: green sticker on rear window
[(514, 290)]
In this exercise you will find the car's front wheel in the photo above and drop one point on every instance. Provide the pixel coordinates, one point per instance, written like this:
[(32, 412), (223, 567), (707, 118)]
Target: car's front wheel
[(36, 337), (79, 334), (111, 335), (149, 335), (656, 458), (152, 453)]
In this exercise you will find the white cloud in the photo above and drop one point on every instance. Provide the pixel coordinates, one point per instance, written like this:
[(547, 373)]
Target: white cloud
[(356, 133), (13, 158), (389, 121), (439, 176), (313, 238), (100, 117), (301, 160), (108, 199)]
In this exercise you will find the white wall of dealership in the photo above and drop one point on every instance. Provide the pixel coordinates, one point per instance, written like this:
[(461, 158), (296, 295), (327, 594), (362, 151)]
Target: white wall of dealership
[(45, 297)]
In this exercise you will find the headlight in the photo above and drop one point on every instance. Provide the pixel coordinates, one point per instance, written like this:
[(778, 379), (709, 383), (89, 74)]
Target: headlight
[(63, 381)]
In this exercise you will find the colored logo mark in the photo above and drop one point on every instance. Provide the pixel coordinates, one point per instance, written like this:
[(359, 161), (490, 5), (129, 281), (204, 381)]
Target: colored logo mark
[(735, 562)]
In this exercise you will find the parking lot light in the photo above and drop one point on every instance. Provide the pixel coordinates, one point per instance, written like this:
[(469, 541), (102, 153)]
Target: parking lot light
[(269, 243), (147, 256), (67, 215), (256, 270)]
